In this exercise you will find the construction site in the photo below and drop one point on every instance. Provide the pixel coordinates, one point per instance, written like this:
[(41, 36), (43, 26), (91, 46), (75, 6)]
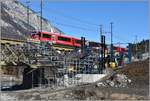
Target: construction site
[(41, 62)]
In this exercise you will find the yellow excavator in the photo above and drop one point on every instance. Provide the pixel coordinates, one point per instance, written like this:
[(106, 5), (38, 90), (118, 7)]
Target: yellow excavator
[(111, 63)]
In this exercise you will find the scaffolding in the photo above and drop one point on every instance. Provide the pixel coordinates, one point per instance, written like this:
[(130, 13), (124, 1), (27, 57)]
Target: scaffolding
[(46, 67)]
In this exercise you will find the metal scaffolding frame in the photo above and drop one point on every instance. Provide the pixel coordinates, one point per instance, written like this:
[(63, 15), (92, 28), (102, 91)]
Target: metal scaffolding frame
[(53, 66)]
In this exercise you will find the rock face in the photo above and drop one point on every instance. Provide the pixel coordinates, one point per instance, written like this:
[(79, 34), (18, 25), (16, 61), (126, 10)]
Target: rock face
[(14, 21)]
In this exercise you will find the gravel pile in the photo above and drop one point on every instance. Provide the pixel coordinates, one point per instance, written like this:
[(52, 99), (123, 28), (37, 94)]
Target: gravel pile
[(117, 80)]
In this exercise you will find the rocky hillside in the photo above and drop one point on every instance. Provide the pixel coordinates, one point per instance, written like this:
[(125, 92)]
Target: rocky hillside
[(14, 21)]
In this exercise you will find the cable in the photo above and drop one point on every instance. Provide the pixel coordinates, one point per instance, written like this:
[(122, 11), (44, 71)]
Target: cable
[(119, 38), (116, 36), (73, 18), (72, 26), (72, 23), (120, 43)]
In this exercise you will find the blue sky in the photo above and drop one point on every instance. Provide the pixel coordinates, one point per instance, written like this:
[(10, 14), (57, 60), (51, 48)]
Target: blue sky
[(83, 18)]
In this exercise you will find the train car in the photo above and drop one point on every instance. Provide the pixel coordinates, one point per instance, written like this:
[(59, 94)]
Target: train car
[(42, 36), (57, 39), (64, 40), (76, 42), (95, 45), (120, 49)]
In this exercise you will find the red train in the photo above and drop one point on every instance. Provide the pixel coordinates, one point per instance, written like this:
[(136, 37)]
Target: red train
[(120, 49), (57, 39), (67, 40)]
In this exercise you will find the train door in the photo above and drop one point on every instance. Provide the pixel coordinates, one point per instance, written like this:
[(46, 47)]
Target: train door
[(54, 39), (73, 41)]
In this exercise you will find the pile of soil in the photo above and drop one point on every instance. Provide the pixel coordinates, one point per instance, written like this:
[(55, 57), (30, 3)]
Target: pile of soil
[(138, 72)]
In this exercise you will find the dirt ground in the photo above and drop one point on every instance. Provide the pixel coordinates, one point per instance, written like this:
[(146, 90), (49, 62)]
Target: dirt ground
[(138, 72), (79, 93)]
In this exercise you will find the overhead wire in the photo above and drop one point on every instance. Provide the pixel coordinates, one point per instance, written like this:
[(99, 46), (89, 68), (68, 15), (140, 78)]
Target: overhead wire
[(115, 36), (77, 20), (73, 26), (82, 21), (83, 28), (73, 18)]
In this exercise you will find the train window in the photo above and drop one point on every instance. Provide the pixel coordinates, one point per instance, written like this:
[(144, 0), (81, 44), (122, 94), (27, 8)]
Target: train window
[(78, 41), (64, 39), (46, 36)]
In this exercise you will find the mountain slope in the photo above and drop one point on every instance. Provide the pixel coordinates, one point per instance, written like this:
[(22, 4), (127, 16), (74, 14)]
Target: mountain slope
[(14, 21)]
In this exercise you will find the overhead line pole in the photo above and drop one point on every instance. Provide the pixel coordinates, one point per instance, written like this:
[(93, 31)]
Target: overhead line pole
[(28, 23), (111, 32), (28, 13), (101, 50), (101, 31), (41, 14), (41, 4), (28, 30), (136, 49)]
